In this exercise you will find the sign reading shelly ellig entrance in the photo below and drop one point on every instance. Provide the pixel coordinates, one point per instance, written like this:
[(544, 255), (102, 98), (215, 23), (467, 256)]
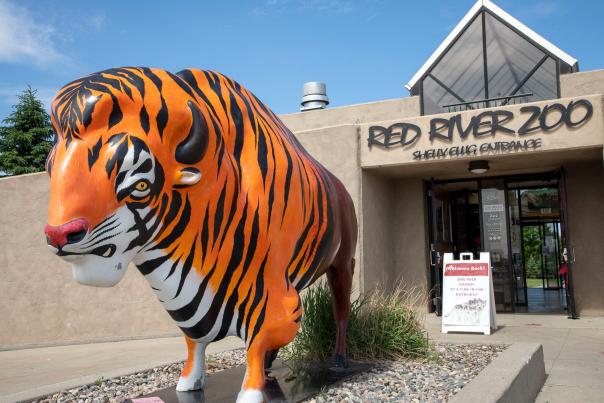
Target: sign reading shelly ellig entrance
[(497, 147), (534, 119)]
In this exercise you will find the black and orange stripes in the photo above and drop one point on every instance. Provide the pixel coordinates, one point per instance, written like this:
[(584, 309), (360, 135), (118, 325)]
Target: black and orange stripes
[(260, 225)]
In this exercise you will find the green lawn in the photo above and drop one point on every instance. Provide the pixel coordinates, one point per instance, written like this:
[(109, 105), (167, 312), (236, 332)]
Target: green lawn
[(534, 283)]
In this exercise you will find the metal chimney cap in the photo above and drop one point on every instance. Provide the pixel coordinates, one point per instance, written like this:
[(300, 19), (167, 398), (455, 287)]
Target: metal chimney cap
[(314, 87), (314, 96)]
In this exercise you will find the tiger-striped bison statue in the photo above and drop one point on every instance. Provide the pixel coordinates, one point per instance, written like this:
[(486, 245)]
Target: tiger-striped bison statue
[(195, 181)]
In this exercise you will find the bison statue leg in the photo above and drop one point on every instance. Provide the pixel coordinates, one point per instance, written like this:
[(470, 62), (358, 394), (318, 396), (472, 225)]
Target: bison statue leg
[(341, 270), (270, 357), (281, 324), (193, 374), (340, 281)]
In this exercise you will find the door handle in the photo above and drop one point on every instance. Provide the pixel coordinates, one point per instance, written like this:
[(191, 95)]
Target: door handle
[(565, 255), (434, 257)]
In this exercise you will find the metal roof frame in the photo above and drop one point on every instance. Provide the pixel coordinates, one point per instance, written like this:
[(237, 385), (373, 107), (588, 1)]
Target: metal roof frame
[(497, 11)]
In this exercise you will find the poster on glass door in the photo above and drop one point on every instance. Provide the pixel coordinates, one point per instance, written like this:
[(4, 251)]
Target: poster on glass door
[(468, 297)]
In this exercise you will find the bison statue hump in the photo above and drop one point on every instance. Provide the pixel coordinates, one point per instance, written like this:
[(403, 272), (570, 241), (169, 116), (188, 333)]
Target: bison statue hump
[(195, 181)]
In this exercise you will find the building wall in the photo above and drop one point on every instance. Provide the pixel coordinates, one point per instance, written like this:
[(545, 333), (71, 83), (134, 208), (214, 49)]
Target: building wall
[(578, 84), (377, 231), (337, 148), (331, 136), (40, 302), (394, 234), (585, 183), (352, 114), (410, 240)]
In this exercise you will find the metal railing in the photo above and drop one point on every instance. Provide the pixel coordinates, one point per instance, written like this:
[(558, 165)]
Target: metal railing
[(489, 103)]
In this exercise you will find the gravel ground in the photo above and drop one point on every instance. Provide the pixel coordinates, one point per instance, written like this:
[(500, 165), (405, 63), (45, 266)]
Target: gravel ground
[(388, 381), (415, 380), (125, 387)]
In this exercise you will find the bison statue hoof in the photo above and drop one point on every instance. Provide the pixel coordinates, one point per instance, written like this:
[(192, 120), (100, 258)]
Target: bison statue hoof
[(250, 396), (189, 383)]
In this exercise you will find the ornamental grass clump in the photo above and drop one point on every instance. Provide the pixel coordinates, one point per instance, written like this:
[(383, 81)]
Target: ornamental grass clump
[(381, 326)]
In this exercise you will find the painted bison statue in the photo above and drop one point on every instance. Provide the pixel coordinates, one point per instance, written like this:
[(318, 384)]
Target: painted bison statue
[(195, 181)]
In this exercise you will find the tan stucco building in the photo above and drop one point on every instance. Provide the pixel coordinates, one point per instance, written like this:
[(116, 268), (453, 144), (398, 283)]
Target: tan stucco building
[(495, 98), (498, 149)]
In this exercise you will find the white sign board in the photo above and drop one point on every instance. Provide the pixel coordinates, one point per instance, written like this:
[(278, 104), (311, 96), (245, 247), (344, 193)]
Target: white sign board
[(468, 297)]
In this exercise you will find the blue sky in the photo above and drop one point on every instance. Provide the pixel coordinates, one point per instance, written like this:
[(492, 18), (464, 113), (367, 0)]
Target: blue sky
[(365, 50)]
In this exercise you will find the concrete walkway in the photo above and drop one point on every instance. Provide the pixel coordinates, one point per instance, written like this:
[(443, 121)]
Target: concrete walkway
[(29, 373), (573, 351)]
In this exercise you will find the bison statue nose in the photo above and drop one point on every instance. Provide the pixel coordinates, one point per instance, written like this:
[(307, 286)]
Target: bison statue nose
[(71, 232)]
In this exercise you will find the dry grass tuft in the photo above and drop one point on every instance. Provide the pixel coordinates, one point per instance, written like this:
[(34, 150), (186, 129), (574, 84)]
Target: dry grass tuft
[(382, 325)]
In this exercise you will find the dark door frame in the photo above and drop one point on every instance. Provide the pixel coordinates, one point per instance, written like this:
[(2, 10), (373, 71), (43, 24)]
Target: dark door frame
[(568, 251), (434, 257)]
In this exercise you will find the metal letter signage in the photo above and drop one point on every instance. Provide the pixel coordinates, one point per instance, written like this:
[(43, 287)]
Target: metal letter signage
[(468, 296), (195, 181), (488, 123), (397, 133)]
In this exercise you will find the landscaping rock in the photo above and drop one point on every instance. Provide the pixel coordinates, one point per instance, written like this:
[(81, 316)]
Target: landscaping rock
[(411, 380)]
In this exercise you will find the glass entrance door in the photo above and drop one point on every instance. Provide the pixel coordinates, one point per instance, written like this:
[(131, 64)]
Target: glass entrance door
[(535, 224), (454, 227), (520, 222), (542, 254), (516, 249), (550, 251)]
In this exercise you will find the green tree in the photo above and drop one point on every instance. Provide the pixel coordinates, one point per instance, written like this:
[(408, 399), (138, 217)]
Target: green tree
[(27, 137), (532, 251)]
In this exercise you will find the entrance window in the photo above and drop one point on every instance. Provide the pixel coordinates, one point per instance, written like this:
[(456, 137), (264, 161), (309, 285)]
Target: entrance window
[(517, 66), (490, 59), (518, 222), (458, 77)]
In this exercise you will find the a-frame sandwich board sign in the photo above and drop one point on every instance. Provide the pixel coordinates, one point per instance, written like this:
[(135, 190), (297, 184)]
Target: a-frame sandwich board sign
[(468, 297)]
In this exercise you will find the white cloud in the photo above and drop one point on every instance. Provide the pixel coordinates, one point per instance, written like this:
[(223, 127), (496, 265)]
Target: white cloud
[(23, 40)]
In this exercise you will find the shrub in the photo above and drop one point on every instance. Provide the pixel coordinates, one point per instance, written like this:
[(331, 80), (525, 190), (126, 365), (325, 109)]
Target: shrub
[(381, 326)]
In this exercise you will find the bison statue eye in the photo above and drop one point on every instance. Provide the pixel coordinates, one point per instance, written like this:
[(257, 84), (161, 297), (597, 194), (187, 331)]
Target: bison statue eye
[(140, 189), (141, 186)]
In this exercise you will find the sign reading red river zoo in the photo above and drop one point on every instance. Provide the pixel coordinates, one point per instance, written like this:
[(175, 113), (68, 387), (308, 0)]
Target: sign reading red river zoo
[(468, 298)]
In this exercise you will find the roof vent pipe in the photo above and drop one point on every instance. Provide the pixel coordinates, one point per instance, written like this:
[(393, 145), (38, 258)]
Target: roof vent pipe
[(314, 96)]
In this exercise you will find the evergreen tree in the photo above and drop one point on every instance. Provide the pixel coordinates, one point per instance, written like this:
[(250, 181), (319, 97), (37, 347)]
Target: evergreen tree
[(26, 139)]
